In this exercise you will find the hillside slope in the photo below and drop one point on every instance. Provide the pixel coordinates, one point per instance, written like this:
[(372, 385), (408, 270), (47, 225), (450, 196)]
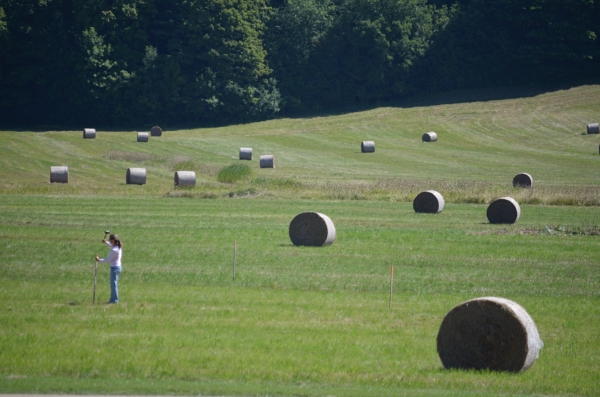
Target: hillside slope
[(481, 146)]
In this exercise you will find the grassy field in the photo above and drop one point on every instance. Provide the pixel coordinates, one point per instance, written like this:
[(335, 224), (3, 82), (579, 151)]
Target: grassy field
[(298, 320), (481, 146)]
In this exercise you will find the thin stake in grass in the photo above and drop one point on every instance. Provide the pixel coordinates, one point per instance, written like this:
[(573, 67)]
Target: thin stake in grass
[(234, 257), (391, 284), (95, 276)]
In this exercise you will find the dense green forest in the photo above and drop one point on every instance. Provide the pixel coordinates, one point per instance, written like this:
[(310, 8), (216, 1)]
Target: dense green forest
[(173, 62)]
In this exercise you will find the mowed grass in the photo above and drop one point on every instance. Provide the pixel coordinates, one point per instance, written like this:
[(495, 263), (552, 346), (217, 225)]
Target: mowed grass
[(296, 320), (482, 145)]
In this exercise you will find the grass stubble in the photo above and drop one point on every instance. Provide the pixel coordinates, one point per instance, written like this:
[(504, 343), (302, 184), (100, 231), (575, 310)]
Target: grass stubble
[(297, 320)]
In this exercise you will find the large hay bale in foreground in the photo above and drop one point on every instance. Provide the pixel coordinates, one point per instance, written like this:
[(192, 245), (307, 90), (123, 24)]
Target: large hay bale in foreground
[(593, 128), (142, 137), (267, 161), (245, 153), (312, 229), (429, 137), (89, 133), (503, 210), (185, 179), (489, 333), (136, 176), (59, 174), (523, 180), (367, 146), (429, 201), (156, 131)]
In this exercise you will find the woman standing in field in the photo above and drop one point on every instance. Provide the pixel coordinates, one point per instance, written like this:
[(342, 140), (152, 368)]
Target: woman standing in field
[(114, 258)]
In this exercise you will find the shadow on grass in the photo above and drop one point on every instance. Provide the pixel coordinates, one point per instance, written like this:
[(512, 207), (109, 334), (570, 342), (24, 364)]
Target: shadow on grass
[(407, 102)]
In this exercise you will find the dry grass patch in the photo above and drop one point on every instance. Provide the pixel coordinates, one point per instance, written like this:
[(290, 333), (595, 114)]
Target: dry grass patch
[(134, 157)]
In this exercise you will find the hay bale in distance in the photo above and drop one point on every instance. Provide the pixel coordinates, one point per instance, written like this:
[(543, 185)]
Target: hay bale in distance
[(156, 131), (593, 128), (367, 146), (312, 229), (490, 333), (136, 176), (429, 201), (523, 180), (59, 174), (429, 137), (267, 161), (142, 137), (185, 179), (503, 210), (89, 133), (245, 153)]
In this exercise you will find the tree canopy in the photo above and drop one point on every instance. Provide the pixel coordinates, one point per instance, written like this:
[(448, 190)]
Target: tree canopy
[(132, 62)]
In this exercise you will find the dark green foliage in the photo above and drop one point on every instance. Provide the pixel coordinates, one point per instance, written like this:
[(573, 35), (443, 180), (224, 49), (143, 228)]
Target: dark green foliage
[(374, 44), (511, 42), (146, 62), (132, 62), (329, 54), (297, 30)]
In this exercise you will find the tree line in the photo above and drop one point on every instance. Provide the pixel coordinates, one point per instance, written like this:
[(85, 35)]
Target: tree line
[(132, 62)]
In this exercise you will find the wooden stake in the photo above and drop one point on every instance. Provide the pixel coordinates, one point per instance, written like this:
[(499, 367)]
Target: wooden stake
[(234, 257), (391, 284), (95, 273)]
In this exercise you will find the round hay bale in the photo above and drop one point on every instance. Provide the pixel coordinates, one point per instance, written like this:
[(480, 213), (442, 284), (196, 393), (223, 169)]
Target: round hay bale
[(593, 128), (142, 137), (156, 131), (89, 133), (245, 153), (267, 161), (503, 210), (312, 229), (429, 137), (489, 333), (367, 146), (429, 201), (523, 180), (59, 174), (185, 179), (136, 176)]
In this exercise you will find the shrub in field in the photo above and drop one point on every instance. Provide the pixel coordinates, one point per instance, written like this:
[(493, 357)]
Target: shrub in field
[(234, 173)]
